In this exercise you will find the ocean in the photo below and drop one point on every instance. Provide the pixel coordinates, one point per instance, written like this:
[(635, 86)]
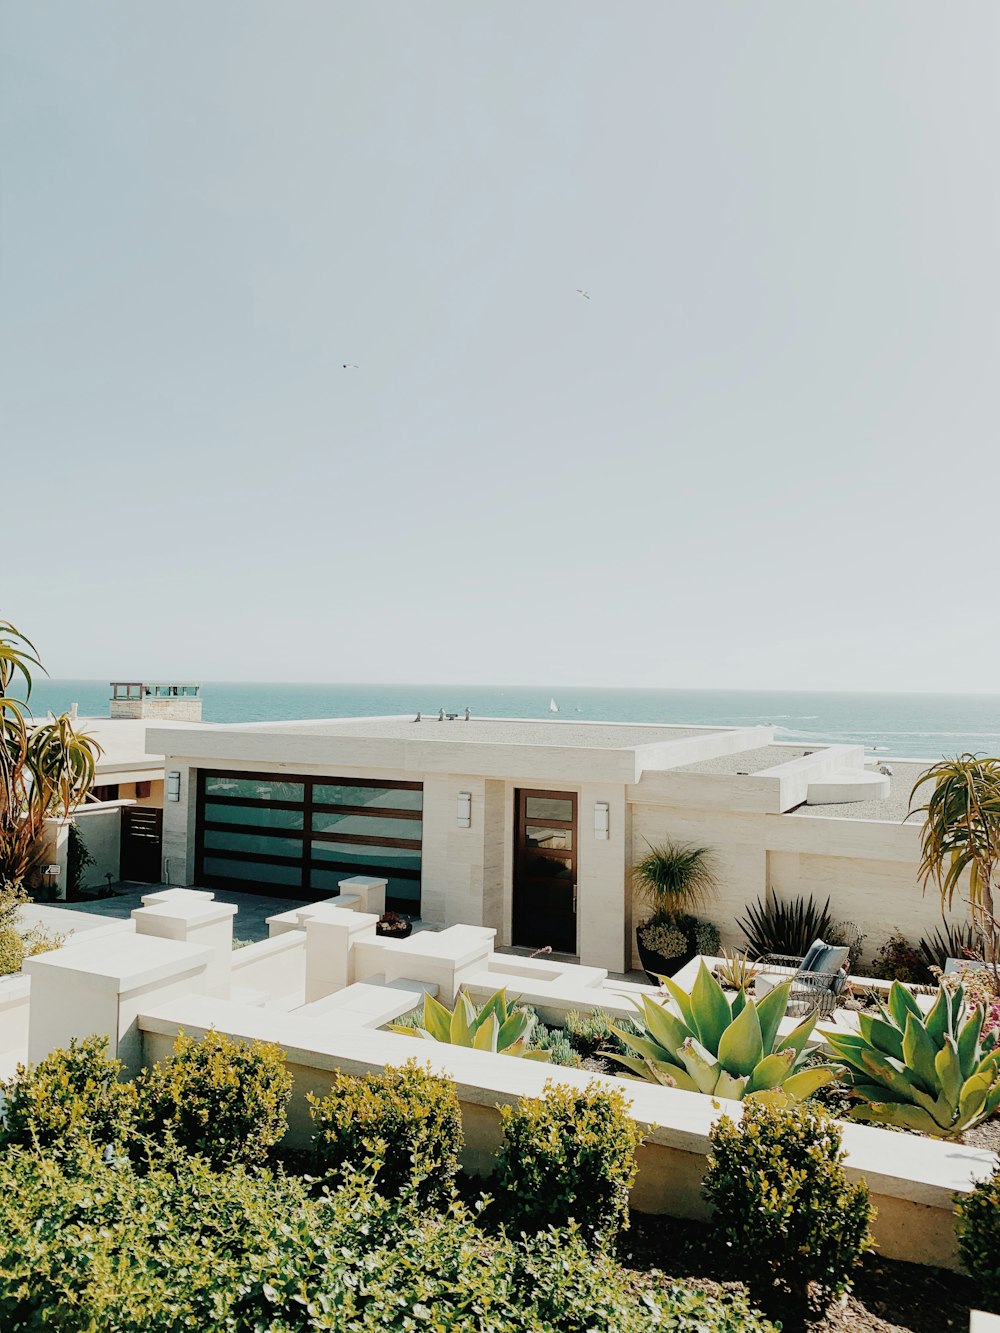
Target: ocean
[(911, 726)]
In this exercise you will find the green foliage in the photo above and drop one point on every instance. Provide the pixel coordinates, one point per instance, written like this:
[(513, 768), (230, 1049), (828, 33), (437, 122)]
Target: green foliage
[(78, 858), (84, 1246), (736, 971), (568, 1154), (934, 1073), (674, 877), (663, 936), (961, 834), (899, 960), (222, 1098), (977, 1222), (498, 1027), (952, 939), (11, 951), (556, 1043), (587, 1033), (71, 1096), (401, 1128), (794, 1226), (773, 926), (728, 1048)]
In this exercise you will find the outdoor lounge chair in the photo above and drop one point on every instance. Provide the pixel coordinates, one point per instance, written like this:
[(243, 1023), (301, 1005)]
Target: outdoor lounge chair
[(817, 978)]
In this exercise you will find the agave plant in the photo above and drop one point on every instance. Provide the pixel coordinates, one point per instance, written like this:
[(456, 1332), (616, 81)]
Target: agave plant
[(728, 1048), (936, 1073), (498, 1027), (736, 971), (773, 926)]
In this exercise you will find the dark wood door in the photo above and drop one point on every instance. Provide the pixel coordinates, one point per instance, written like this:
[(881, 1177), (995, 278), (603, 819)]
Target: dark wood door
[(545, 870), (141, 846)]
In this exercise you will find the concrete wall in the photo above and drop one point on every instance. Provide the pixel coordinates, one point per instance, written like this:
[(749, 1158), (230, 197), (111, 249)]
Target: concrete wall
[(868, 868)]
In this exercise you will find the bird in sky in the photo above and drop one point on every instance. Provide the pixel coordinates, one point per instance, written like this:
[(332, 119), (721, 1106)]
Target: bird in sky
[(349, 365), (581, 292)]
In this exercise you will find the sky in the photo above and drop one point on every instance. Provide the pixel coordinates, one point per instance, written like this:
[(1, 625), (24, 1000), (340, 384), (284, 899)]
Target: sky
[(763, 453)]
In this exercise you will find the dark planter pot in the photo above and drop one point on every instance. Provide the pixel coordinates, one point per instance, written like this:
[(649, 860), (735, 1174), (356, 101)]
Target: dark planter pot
[(388, 933), (656, 966)]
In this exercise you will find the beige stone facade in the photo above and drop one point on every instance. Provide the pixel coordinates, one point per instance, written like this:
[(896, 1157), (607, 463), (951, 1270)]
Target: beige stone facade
[(733, 790)]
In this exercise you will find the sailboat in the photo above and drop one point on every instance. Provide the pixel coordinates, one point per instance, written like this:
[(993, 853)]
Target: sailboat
[(553, 706)]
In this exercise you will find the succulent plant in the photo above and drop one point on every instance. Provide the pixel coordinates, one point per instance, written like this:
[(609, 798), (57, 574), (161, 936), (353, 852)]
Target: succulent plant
[(498, 1026), (728, 1048), (934, 1073)]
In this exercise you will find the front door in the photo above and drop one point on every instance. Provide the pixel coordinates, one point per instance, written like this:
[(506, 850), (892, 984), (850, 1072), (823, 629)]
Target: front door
[(545, 870)]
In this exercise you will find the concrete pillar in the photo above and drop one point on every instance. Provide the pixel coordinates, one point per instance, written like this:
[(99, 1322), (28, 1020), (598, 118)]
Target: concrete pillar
[(102, 987), (369, 890), (193, 918), (331, 934), (601, 880)]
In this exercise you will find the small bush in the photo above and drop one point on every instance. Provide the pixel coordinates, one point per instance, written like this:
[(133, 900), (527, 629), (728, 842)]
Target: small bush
[(977, 1221), (221, 1098), (899, 960), (11, 951), (403, 1128), (590, 1033), (555, 1042), (795, 1227), (568, 1154), (71, 1096)]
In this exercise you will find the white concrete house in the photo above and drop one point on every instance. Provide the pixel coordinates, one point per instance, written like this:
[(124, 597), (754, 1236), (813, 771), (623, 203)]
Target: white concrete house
[(531, 827)]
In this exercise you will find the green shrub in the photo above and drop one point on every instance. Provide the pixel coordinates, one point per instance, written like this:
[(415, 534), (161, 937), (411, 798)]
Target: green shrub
[(590, 1033), (794, 1226), (554, 1041), (568, 1154), (222, 1098), (977, 1221), (11, 951), (70, 1096), (568, 1287), (88, 1246), (403, 1128), (899, 960)]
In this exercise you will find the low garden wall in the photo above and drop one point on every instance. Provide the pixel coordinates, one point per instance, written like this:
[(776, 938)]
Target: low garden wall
[(912, 1180)]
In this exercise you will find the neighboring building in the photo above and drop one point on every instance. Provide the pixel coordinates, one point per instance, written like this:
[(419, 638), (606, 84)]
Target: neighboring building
[(532, 827), (167, 701)]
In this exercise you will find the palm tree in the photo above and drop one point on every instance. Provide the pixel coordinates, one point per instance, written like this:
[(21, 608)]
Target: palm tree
[(45, 769), (961, 834)]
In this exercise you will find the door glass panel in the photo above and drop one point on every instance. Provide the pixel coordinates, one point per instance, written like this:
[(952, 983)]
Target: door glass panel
[(398, 858), (259, 816), (403, 891), (254, 789), (369, 826), (561, 839), (222, 841), (548, 867), (252, 872), (548, 807), (391, 798)]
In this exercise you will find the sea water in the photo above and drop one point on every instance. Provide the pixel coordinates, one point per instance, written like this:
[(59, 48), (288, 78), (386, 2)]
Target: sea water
[(921, 726)]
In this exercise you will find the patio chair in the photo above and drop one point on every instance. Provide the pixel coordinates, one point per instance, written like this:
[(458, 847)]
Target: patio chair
[(818, 977)]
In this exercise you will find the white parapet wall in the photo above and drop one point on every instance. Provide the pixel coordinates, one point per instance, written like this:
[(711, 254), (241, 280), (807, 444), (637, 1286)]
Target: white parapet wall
[(912, 1180)]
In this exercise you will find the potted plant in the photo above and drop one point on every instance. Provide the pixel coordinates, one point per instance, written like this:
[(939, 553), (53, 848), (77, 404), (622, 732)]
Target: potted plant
[(672, 880), (393, 926)]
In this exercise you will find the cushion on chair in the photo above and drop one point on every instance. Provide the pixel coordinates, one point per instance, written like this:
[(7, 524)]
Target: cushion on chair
[(814, 951)]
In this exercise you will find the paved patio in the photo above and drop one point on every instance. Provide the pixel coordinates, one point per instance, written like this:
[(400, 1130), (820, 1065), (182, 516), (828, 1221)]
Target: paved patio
[(251, 919)]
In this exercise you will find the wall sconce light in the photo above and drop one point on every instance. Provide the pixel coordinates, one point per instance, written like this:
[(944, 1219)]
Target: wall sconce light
[(602, 820), (173, 786), (463, 809)]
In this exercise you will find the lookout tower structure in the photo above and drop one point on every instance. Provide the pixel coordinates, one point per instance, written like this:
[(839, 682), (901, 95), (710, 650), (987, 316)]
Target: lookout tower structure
[(162, 701)]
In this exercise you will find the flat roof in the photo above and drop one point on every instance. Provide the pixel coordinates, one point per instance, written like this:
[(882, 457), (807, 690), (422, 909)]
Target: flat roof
[(492, 731), (747, 761), (891, 810)]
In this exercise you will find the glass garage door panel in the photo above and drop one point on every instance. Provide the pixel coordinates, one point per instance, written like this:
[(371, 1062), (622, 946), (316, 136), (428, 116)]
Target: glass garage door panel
[(389, 798), (261, 844), (258, 816), (252, 872)]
